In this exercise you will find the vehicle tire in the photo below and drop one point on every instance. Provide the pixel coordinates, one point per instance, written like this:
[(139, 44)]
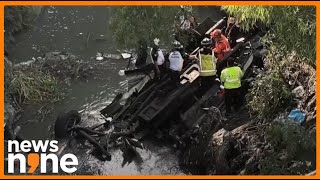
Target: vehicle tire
[(64, 122)]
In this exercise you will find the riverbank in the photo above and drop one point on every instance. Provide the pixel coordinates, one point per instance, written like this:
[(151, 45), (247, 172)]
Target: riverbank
[(247, 144)]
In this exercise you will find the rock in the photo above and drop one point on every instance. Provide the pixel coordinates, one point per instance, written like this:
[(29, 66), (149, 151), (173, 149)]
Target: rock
[(217, 138), (238, 132)]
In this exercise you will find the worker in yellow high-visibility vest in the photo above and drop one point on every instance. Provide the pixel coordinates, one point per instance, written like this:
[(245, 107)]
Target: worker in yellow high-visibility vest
[(207, 62), (231, 79)]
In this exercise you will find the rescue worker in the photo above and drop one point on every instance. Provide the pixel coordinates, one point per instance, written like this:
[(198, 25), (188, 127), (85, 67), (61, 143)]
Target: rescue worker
[(207, 62), (157, 58), (221, 48), (222, 45), (231, 79), (232, 31), (176, 62)]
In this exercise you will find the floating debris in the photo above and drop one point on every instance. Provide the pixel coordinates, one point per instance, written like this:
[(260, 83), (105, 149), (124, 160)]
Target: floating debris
[(99, 58), (125, 55)]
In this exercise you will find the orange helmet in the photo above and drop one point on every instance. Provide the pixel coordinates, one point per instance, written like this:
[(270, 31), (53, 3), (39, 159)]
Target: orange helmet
[(216, 33)]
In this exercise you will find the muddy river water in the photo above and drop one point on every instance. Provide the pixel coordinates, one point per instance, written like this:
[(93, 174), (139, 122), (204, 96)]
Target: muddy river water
[(75, 29)]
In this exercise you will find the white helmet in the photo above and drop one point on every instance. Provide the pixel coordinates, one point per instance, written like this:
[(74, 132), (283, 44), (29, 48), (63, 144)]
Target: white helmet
[(177, 44), (206, 42)]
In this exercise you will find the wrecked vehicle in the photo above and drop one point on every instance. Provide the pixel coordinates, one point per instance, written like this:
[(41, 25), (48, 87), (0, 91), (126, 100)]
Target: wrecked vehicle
[(151, 105)]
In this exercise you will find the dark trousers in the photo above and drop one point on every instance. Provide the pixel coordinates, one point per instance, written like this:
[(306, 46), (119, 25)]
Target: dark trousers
[(174, 76), (233, 98), (206, 83)]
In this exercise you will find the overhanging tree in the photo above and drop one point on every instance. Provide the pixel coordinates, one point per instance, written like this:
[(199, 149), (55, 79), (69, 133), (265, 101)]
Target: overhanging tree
[(133, 23), (293, 28)]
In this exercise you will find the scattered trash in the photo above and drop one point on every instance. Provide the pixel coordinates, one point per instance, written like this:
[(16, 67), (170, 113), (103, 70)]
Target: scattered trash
[(99, 56), (27, 63), (125, 55), (112, 56), (121, 73), (298, 91), (296, 115)]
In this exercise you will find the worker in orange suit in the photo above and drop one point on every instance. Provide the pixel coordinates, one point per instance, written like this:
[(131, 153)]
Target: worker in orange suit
[(221, 48), (222, 45)]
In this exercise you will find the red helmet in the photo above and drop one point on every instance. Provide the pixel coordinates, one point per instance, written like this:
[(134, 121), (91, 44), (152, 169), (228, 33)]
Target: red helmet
[(216, 33)]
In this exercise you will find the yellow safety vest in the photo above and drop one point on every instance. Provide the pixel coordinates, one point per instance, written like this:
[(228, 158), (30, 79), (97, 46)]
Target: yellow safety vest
[(231, 77), (207, 65)]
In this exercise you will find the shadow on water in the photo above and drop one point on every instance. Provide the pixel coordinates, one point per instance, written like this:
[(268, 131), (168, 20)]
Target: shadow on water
[(84, 31)]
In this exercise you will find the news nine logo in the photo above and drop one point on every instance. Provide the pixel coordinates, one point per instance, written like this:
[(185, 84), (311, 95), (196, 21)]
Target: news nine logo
[(38, 154)]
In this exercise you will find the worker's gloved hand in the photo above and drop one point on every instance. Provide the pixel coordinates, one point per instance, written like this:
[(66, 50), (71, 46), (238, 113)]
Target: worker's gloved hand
[(221, 91)]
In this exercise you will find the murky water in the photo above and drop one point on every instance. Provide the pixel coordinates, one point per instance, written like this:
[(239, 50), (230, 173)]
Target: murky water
[(84, 31)]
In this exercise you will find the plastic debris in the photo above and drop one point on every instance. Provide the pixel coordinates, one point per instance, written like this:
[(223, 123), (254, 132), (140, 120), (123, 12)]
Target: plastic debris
[(296, 115), (99, 56), (125, 55), (121, 73)]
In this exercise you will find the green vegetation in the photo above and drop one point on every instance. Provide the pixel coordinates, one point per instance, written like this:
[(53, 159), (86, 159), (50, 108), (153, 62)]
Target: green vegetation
[(35, 87), (269, 95), (289, 63), (294, 143), (292, 28), (30, 85), (292, 31), (133, 23)]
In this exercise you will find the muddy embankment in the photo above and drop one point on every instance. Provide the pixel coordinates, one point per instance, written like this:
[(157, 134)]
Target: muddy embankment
[(247, 145)]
